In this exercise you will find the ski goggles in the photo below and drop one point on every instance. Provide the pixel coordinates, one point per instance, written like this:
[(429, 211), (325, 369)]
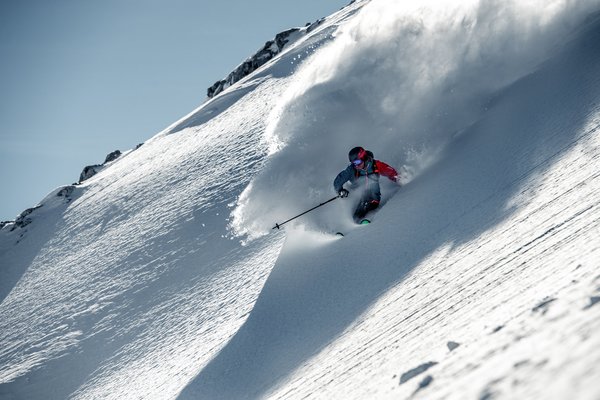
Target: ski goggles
[(357, 162)]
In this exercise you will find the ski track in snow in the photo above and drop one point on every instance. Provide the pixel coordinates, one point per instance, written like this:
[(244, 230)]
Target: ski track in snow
[(505, 265), (479, 279), (518, 301)]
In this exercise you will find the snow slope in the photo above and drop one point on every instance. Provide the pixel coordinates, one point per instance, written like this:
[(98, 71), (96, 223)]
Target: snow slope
[(160, 277)]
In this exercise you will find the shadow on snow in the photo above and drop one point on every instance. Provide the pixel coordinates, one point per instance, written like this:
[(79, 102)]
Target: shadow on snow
[(307, 304)]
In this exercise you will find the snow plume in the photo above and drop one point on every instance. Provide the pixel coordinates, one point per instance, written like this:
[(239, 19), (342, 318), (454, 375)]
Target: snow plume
[(401, 79)]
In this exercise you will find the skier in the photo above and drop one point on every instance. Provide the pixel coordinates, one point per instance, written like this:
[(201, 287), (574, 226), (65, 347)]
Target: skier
[(363, 173)]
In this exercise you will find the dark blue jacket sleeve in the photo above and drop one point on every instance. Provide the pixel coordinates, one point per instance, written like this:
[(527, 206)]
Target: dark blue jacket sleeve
[(343, 177)]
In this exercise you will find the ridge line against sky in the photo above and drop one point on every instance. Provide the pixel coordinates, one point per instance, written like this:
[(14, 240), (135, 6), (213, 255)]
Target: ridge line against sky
[(81, 79)]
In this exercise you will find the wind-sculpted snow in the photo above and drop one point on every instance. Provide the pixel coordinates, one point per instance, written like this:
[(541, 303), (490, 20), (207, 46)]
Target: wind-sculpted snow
[(137, 273), (478, 279), (470, 251)]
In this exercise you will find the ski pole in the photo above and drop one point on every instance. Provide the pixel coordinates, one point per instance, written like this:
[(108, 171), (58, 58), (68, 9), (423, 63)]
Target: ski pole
[(278, 226)]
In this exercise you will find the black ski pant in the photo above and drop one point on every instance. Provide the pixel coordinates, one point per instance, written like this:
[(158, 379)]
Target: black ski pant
[(365, 205)]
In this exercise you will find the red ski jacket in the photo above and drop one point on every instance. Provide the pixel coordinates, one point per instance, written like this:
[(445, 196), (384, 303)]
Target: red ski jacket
[(367, 178)]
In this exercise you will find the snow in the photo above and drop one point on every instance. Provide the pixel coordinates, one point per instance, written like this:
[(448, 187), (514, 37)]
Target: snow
[(161, 276)]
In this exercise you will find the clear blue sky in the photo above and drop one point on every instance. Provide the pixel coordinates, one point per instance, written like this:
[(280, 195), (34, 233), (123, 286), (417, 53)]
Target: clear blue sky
[(79, 78)]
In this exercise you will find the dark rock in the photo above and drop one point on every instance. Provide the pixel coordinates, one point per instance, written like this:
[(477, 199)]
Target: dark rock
[(425, 382), (593, 301), (89, 171), (66, 192), (24, 218), (261, 57), (452, 345), (112, 156), (92, 170), (416, 371)]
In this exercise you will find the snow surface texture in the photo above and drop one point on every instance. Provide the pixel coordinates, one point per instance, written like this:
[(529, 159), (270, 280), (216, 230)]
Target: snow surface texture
[(160, 277)]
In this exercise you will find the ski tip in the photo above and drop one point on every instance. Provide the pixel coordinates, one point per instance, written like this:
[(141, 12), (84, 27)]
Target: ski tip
[(339, 234), (365, 222)]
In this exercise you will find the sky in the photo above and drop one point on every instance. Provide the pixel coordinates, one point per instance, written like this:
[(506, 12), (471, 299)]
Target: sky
[(79, 79)]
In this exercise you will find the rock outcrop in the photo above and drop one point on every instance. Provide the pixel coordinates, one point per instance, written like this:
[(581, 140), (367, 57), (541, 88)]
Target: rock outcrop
[(91, 170), (261, 57)]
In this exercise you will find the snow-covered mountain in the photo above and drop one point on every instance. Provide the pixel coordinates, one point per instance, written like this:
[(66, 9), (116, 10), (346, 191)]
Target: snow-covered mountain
[(160, 275)]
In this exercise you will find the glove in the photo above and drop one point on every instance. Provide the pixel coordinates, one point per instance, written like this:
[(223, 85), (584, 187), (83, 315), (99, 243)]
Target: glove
[(343, 193)]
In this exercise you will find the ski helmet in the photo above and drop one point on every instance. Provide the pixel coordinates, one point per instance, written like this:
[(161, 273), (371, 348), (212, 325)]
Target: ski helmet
[(357, 153)]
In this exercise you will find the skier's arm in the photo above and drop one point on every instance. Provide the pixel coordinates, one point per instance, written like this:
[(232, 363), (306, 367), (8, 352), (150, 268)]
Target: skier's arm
[(387, 171), (341, 178)]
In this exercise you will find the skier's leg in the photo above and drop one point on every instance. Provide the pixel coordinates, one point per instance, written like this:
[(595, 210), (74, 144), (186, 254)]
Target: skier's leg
[(359, 213), (364, 207)]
